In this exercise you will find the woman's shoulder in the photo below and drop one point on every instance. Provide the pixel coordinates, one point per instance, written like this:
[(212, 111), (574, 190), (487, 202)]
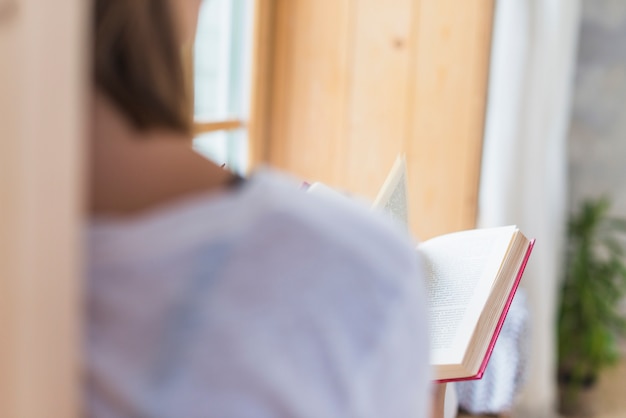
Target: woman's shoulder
[(269, 207)]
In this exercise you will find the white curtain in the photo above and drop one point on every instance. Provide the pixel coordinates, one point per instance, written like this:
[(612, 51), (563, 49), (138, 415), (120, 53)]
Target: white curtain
[(524, 179)]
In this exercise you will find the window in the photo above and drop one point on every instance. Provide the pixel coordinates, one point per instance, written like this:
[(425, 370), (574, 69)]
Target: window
[(222, 62)]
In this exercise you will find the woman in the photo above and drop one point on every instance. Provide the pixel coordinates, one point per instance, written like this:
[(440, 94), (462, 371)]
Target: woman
[(213, 296)]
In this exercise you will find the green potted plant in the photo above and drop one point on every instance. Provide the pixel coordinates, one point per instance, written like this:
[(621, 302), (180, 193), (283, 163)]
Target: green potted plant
[(589, 321)]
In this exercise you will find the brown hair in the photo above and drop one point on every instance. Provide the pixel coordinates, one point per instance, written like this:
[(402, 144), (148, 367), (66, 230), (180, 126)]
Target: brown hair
[(138, 63)]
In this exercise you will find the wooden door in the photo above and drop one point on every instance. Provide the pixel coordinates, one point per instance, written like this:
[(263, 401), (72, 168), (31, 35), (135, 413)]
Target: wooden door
[(353, 83)]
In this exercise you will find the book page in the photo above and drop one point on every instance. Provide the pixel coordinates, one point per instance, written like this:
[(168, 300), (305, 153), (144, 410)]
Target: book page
[(461, 268), (392, 197)]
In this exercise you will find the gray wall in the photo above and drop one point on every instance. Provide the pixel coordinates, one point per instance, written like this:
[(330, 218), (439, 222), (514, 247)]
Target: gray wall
[(598, 128)]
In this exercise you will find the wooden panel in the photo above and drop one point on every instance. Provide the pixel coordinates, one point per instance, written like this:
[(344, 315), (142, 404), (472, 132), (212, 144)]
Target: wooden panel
[(40, 155), (262, 47), (354, 83), (380, 80), (310, 81), (447, 114)]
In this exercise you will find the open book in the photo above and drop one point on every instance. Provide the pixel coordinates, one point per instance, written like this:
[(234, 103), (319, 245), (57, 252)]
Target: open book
[(472, 277)]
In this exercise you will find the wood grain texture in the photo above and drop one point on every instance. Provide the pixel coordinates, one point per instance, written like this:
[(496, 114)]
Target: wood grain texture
[(447, 113), (310, 82), (356, 82), (379, 92)]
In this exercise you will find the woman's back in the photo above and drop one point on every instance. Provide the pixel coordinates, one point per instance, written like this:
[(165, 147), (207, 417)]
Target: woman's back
[(256, 301)]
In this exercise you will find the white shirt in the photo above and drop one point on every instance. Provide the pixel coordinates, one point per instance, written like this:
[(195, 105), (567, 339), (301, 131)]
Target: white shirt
[(262, 301)]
